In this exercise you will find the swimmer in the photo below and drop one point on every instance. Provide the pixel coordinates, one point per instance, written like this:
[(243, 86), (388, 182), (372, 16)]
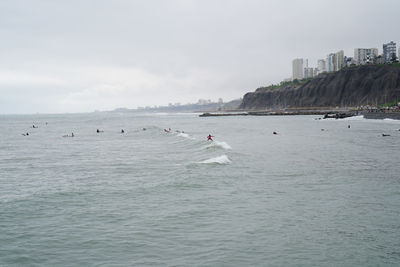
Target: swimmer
[(144, 129), (348, 126), (274, 133), (385, 134), (209, 137), (25, 134), (122, 131)]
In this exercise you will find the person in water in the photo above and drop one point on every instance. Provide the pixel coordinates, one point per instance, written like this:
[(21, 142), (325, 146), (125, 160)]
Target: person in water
[(122, 131), (72, 135), (274, 133), (209, 137)]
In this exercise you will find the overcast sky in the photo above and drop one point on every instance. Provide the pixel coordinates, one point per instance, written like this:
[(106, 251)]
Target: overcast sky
[(85, 55)]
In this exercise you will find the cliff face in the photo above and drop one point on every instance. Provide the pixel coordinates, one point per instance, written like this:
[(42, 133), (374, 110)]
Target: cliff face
[(362, 85)]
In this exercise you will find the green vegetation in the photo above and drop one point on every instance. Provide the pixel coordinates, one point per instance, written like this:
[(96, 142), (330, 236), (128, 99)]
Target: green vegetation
[(389, 104), (282, 84)]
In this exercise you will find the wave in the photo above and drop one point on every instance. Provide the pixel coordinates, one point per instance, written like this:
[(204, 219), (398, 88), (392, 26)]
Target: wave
[(185, 135), (355, 118), (217, 144), (217, 160)]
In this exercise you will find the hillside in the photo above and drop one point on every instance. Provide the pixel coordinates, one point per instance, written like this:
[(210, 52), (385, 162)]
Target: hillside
[(350, 87)]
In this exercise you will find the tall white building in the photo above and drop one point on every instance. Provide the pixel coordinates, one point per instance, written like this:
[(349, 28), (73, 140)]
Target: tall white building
[(321, 66), (365, 55), (339, 63), (298, 66), (389, 52)]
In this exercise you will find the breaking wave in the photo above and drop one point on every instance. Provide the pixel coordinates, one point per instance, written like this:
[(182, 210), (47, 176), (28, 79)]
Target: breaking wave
[(217, 160), (217, 144)]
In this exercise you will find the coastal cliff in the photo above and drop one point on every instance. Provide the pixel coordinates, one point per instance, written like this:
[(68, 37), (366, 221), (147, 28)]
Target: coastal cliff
[(349, 87)]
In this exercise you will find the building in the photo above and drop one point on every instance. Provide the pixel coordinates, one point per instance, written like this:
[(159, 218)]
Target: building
[(339, 63), (349, 61), (298, 66), (308, 73), (331, 62), (389, 52), (321, 66), (365, 55)]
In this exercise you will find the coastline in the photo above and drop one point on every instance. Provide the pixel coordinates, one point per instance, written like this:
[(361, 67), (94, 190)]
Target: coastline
[(328, 113)]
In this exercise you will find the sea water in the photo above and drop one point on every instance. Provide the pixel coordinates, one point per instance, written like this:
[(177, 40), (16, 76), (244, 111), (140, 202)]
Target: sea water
[(317, 193)]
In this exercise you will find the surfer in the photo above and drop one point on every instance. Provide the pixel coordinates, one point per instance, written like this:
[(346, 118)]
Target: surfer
[(72, 135), (98, 131), (122, 131), (274, 133), (209, 137), (348, 126), (385, 134), (167, 130), (25, 134)]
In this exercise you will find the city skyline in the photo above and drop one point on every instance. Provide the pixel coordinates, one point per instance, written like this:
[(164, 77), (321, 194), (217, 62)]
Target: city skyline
[(336, 61)]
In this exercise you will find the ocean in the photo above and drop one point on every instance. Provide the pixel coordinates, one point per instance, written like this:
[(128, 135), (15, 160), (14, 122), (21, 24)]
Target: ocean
[(317, 193)]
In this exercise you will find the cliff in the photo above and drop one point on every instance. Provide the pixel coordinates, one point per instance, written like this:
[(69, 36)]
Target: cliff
[(350, 87)]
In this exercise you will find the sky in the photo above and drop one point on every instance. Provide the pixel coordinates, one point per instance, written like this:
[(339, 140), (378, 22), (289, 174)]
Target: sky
[(85, 55)]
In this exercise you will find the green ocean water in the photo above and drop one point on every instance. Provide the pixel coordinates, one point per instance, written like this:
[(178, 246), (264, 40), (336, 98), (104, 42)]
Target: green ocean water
[(303, 197)]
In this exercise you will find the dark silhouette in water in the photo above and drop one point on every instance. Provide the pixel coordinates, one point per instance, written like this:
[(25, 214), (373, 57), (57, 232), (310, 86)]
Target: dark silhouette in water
[(274, 133), (122, 131), (385, 134), (209, 137)]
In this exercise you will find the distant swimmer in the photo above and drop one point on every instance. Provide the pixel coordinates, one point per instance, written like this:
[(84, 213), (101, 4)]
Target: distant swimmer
[(33, 126), (322, 129), (348, 126), (122, 131), (98, 131), (385, 134), (25, 134), (274, 133), (209, 137), (167, 130), (144, 129), (72, 135)]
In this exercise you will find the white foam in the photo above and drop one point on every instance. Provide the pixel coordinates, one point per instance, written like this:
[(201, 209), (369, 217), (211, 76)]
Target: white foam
[(354, 118), (217, 160), (185, 135), (217, 144)]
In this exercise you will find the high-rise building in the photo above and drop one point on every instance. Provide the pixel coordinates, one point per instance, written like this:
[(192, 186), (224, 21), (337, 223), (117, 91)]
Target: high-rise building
[(298, 66), (389, 52), (365, 55), (339, 64), (331, 62), (321, 66)]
